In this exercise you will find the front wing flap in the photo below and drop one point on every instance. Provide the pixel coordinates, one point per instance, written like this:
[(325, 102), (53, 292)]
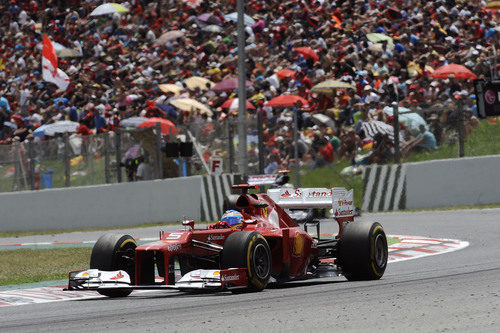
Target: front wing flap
[(199, 279)]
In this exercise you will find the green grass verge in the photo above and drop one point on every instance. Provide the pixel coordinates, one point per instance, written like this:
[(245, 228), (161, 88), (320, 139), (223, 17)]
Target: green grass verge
[(29, 266)]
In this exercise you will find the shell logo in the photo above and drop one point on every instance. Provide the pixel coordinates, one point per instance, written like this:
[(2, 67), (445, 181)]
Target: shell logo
[(216, 273), (298, 244), (340, 202), (85, 274)]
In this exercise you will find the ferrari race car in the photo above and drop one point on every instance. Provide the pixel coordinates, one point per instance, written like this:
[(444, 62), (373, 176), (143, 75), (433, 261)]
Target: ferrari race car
[(266, 246)]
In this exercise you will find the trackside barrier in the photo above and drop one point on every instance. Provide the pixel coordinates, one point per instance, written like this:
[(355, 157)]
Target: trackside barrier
[(113, 205), (432, 184)]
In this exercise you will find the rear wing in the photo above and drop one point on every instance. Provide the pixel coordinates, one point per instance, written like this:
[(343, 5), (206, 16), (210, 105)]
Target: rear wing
[(279, 178), (338, 199)]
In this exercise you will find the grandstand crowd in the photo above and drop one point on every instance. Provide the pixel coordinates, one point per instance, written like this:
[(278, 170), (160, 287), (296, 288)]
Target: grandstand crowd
[(120, 61)]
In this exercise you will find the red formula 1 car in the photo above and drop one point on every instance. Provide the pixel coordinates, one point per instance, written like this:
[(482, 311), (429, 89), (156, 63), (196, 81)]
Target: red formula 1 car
[(267, 246)]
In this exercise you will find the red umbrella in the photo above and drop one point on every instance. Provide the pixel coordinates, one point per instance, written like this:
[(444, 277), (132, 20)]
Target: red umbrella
[(285, 73), (229, 84), (286, 100), (307, 52), (232, 103), (166, 125), (459, 71)]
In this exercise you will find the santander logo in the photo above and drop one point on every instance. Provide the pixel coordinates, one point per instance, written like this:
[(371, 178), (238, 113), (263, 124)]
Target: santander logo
[(117, 276)]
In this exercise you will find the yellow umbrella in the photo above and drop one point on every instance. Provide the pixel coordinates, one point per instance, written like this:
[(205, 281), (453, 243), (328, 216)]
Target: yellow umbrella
[(378, 38), (170, 88), (493, 5), (189, 104), (194, 82), (329, 86)]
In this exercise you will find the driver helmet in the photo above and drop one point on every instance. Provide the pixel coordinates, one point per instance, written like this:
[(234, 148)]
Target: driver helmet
[(233, 218)]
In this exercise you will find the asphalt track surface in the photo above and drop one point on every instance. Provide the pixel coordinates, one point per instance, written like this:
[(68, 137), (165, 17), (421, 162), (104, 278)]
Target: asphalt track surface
[(457, 292)]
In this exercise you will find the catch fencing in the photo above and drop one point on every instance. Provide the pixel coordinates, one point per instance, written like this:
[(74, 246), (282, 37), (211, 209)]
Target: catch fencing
[(75, 160)]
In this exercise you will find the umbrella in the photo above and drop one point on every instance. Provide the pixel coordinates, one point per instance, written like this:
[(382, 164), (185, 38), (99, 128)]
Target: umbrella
[(209, 18), (170, 88), (190, 104), (168, 36), (229, 84), (233, 103), (329, 86), (459, 71), (166, 125), (212, 28), (194, 82), (378, 37), (323, 119), (193, 3), (168, 109), (374, 127), (57, 46), (247, 20), (286, 100), (132, 153), (109, 8), (493, 5), (307, 52), (11, 125), (393, 14), (285, 73), (68, 53), (411, 120), (132, 121), (59, 127)]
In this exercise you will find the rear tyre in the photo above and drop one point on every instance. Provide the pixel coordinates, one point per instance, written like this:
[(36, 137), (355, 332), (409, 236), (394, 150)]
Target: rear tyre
[(248, 249), (363, 251), (114, 252)]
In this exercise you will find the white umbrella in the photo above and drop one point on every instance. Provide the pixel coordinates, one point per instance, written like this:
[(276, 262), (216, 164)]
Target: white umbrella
[(247, 20), (323, 119), (109, 8), (60, 127), (212, 28), (169, 35), (411, 120), (68, 53), (132, 121)]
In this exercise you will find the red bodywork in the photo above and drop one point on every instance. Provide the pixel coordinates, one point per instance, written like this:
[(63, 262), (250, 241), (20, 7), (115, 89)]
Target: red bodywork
[(292, 248)]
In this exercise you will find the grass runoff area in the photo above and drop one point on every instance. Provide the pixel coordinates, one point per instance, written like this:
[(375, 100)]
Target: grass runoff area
[(27, 266)]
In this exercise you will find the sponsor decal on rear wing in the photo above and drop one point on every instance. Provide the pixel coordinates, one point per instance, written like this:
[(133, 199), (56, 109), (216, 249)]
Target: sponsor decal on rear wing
[(337, 198), (262, 180)]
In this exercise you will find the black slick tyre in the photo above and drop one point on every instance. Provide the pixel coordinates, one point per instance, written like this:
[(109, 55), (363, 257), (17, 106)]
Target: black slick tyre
[(363, 251), (114, 252), (248, 249)]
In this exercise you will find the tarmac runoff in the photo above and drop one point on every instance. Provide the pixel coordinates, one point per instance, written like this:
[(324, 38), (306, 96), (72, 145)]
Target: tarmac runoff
[(407, 248)]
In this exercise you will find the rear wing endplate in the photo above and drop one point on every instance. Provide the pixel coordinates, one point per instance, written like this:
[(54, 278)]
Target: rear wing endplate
[(337, 198)]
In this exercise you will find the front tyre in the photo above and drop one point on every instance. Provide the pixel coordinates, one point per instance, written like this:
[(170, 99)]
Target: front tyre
[(114, 252), (248, 249), (363, 251)]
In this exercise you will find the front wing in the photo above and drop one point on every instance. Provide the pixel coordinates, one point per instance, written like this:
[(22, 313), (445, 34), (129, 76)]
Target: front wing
[(200, 279)]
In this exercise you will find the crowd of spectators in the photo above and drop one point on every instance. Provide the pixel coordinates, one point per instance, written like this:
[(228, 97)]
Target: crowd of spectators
[(121, 63)]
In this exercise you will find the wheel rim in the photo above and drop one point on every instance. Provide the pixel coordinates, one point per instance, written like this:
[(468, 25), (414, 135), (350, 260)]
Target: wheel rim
[(261, 261), (380, 251)]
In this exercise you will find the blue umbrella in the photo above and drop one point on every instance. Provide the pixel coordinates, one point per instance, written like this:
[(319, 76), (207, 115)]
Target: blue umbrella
[(168, 109), (39, 132), (411, 120), (234, 17)]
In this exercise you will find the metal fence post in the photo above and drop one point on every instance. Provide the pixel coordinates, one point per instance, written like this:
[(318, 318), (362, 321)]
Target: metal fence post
[(67, 165), (296, 148), (118, 146), (230, 145), (159, 169), (260, 133), (397, 152), (106, 158), (31, 154), (461, 128)]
